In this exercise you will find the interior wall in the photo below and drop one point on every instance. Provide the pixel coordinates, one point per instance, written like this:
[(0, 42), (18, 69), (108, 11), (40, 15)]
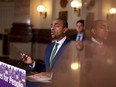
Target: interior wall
[(37, 20), (6, 19), (53, 7), (16, 48), (72, 17), (6, 15), (38, 50), (111, 19), (21, 11)]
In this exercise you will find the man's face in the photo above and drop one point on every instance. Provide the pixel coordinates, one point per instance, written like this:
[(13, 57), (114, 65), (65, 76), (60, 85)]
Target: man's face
[(79, 27), (57, 29), (102, 30)]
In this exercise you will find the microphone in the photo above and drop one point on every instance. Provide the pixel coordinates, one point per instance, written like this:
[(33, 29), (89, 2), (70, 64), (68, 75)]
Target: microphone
[(18, 54), (25, 56), (19, 63)]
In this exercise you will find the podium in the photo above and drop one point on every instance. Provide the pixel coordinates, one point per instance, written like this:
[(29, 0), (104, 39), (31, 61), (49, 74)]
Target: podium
[(11, 76)]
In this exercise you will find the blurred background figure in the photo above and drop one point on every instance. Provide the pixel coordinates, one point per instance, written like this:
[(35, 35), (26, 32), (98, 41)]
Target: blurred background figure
[(98, 66), (79, 36), (67, 70)]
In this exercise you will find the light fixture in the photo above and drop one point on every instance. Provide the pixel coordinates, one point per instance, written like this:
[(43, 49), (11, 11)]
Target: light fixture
[(75, 65), (41, 9), (76, 4), (112, 11)]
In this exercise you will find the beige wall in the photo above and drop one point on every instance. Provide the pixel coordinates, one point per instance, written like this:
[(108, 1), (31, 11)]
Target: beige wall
[(16, 48), (36, 19), (53, 8), (100, 10), (38, 50)]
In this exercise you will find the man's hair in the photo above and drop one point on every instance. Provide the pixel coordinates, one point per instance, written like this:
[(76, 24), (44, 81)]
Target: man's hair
[(80, 21), (97, 23), (65, 23)]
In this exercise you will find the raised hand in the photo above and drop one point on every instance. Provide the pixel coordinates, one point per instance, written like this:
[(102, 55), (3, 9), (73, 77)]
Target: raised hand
[(26, 58)]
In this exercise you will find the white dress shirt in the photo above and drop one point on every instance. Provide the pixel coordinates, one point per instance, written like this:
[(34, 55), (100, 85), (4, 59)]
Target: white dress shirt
[(60, 42), (79, 37), (95, 41)]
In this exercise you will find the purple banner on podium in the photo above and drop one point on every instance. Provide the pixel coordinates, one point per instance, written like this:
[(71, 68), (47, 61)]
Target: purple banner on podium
[(11, 76)]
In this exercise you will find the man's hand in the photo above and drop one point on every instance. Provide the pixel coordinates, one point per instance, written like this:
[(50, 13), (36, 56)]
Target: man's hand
[(43, 75), (26, 58), (79, 45)]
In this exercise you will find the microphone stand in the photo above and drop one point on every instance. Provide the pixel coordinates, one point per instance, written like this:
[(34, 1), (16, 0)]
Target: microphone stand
[(18, 51)]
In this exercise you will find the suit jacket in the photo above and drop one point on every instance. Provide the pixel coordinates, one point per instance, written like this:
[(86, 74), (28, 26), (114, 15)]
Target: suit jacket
[(63, 75), (73, 37), (45, 66), (96, 70)]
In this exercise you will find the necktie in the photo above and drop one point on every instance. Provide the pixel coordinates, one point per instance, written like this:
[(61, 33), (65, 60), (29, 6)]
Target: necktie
[(79, 38), (53, 53)]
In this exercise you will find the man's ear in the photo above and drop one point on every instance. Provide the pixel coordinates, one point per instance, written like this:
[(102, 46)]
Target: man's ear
[(65, 30), (93, 31)]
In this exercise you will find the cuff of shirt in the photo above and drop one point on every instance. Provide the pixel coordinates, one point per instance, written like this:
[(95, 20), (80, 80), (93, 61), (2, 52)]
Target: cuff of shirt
[(32, 65)]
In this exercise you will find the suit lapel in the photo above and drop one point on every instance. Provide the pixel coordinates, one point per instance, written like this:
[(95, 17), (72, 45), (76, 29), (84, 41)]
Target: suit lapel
[(74, 37), (48, 54), (59, 52)]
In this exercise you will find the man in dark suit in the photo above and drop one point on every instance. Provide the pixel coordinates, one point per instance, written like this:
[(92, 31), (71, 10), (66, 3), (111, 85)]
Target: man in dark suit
[(79, 36), (98, 66), (67, 70), (58, 29)]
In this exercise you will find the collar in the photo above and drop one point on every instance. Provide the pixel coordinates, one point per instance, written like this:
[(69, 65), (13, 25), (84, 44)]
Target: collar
[(80, 33), (95, 41), (62, 40)]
